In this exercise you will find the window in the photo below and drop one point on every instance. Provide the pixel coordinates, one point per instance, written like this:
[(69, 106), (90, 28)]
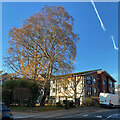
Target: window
[(98, 78), (89, 80), (103, 82), (95, 90), (89, 91), (110, 83), (53, 90), (94, 80)]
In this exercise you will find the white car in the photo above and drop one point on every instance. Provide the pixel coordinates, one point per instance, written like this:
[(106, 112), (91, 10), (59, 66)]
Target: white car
[(109, 100)]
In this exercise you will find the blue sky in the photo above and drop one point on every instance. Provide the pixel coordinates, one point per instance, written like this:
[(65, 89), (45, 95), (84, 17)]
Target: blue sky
[(94, 50)]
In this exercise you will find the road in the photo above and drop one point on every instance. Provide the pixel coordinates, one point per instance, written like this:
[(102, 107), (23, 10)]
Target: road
[(104, 114)]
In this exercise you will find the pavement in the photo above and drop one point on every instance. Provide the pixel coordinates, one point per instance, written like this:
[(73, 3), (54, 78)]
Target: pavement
[(70, 113)]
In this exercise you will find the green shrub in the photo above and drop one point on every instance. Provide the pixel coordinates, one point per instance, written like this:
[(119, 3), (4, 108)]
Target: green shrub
[(13, 89), (91, 101), (7, 96), (70, 102), (96, 100), (58, 104), (22, 95), (67, 106)]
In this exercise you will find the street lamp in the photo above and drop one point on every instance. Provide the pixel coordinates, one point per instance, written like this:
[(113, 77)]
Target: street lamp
[(94, 89)]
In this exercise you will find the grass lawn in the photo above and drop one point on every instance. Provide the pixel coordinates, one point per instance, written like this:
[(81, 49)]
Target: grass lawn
[(35, 109)]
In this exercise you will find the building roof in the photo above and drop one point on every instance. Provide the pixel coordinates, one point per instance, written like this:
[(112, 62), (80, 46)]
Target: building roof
[(98, 71), (78, 73), (107, 74)]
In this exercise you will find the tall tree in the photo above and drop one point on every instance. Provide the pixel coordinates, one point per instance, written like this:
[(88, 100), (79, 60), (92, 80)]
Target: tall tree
[(45, 44)]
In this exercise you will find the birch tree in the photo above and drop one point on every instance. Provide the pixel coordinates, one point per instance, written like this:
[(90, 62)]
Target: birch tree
[(44, 44), (74, 85)]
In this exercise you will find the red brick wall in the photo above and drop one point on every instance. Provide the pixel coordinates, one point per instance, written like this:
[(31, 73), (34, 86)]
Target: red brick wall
[(96, 84)]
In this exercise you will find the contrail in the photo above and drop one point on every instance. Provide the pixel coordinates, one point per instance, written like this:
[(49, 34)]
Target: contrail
[(114, 42), (102, 25)]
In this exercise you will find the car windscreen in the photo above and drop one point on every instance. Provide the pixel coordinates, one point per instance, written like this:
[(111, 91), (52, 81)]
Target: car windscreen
[(3, 108)]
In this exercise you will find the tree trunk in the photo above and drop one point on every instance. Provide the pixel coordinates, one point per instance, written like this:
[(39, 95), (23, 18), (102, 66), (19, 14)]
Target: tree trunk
[(46, 94), (47, 85)]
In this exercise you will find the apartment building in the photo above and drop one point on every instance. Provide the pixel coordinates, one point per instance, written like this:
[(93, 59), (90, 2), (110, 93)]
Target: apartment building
[(81, 85), (117, 89)]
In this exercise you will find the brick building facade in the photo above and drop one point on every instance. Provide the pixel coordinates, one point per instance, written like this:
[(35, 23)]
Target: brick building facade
[(81, 85)]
